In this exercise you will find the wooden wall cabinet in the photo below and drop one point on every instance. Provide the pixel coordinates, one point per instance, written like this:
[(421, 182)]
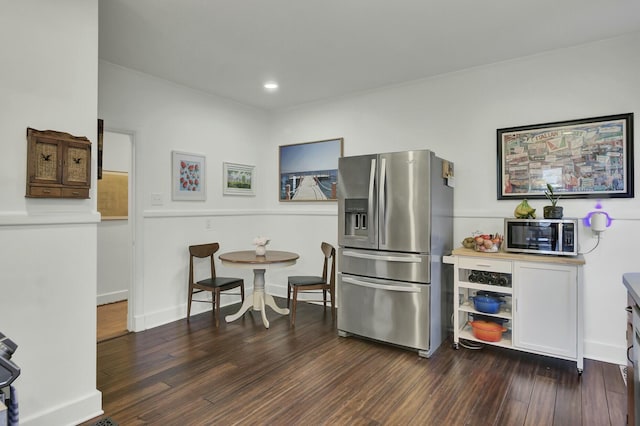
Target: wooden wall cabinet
[(58, 165)]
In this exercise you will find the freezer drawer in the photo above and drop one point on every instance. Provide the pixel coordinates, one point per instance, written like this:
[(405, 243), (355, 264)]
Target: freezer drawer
[(388, 311), (385, 264)]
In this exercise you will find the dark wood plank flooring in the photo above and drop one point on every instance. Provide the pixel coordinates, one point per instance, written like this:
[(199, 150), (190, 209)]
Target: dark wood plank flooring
[(194, 374)]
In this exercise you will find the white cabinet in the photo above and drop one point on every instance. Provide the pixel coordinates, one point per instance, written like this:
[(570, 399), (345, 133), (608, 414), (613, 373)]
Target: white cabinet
[(546, 308), (541, 296)]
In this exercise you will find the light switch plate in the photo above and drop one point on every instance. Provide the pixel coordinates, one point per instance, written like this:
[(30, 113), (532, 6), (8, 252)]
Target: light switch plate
[(156, 199)]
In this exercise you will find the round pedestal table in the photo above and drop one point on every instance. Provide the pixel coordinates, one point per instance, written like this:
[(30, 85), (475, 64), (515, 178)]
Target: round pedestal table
[(248, 259)]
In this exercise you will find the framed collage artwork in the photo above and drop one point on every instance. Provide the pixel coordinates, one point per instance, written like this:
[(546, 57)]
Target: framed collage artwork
[(586, 158)]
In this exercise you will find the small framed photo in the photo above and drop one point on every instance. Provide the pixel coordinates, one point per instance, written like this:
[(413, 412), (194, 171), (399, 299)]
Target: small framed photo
[(238, 179), (188, 177)]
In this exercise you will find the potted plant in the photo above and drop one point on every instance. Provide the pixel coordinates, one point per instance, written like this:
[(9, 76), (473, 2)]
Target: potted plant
[(553, 211)]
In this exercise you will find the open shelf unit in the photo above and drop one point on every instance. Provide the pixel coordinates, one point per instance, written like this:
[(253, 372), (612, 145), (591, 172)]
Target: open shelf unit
[(523, 284), (475, 278)]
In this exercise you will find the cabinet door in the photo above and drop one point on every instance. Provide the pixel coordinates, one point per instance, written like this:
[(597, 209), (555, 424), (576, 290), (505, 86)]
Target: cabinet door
[(45, 161), (546, 308), (76, 164)]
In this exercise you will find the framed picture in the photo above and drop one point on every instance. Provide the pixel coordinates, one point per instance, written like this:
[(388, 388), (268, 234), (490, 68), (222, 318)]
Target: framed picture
[(586, 158), (238, 179), (309, 171), (113, 195), (100, 146), (188, 176)]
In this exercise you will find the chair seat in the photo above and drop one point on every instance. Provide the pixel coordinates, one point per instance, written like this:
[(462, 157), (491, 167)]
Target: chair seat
[(303, 280), (218, 282), (309, 283), (216, 285)]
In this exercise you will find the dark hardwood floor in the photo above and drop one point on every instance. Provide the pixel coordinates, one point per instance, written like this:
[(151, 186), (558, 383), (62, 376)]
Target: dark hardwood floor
[(194, 374)]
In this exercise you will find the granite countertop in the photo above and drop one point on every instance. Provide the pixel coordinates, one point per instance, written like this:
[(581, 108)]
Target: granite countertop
[(631, 281)]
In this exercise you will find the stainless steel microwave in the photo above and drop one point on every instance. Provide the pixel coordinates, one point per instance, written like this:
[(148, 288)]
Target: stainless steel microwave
[(541, 236)]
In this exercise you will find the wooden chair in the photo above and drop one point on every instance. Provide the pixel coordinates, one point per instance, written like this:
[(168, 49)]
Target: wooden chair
[(214, 284), (308, 283)]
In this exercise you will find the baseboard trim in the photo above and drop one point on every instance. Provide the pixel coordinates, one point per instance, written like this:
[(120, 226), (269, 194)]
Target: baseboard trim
[(116, 296), (606, 353), (72, 413)]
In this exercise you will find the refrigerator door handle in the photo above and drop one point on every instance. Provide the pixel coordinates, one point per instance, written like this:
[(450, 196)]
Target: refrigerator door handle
[(406, 259), (399, 288), (382, 201), (372, 181)]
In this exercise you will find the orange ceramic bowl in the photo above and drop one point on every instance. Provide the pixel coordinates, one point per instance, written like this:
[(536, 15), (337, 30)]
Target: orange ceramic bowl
[(487, 330)]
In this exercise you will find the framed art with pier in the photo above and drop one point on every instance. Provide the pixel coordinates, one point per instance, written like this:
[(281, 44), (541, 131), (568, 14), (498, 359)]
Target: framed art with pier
[(309, 171), (585, 158)]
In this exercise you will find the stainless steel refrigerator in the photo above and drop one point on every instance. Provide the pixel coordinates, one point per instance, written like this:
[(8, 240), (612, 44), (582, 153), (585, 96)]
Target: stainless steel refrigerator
[(395, 222)]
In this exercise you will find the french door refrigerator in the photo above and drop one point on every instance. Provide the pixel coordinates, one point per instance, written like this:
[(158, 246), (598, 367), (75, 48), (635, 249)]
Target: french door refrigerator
[(395, 222)]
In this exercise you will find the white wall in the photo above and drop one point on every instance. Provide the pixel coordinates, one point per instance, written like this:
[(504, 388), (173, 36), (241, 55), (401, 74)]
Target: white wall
[(114, 236), (48, 80), (457, 115), (167, 117)]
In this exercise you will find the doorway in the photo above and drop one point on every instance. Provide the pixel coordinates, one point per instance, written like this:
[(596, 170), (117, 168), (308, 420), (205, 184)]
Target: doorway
[(115, 235)]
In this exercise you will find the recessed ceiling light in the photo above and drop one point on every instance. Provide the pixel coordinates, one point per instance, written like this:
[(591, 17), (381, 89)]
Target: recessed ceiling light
[(271, 85)]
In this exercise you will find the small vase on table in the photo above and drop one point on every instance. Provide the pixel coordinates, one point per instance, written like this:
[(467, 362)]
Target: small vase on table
[(261, 245)]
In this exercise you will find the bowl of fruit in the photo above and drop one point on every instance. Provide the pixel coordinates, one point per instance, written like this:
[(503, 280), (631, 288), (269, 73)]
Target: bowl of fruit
[(488, 243)]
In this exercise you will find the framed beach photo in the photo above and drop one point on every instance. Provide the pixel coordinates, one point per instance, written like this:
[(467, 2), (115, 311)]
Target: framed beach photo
[(238, 179), (309, 171), (585, 158), (188, 176)]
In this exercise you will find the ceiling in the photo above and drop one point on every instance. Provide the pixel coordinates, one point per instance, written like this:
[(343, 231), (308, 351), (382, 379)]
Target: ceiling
[(324, 49)]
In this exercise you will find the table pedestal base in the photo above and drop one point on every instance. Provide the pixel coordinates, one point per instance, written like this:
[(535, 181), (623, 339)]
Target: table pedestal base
[(258, 301)]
